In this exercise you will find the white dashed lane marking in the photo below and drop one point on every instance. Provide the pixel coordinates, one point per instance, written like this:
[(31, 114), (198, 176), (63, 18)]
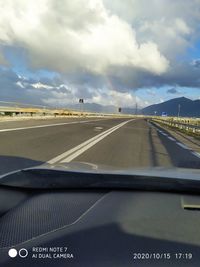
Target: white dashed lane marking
[(182, 145), (171, 138), (194, 153)]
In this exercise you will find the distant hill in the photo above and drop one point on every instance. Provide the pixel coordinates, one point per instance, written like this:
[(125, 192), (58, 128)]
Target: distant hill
[(132, 111), (93, 107), (188, 108)]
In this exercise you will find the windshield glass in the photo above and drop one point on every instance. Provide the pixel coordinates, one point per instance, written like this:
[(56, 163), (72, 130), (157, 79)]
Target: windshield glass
[(112, 84)]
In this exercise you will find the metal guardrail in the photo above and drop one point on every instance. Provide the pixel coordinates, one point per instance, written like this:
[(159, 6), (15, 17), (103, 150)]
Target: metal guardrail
[(195, 128)]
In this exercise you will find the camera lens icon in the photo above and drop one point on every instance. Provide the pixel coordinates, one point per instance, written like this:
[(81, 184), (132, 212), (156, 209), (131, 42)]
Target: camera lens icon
[(12, 253), (23, 253)]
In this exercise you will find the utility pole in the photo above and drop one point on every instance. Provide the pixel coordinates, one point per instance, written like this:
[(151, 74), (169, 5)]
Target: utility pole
[(179, 110), (136, 108)]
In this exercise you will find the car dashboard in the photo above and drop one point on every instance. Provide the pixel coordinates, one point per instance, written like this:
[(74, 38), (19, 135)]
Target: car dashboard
[(102, 228)]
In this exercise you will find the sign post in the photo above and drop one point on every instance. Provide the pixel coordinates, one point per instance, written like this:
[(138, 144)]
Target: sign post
[(81, 101)]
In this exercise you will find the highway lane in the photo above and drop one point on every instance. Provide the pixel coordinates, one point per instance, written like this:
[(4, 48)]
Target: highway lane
[(31, 123), (33, 146), (130, 146), (122, 143), (140, 144)]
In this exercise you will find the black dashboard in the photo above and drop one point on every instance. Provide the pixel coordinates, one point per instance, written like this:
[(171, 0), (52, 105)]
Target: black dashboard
[(102, 228)]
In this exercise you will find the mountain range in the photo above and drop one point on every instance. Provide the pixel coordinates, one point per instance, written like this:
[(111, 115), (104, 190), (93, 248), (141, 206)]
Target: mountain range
[(182, 106)]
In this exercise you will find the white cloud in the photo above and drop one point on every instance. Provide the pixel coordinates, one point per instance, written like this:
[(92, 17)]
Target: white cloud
[(173, 26), (20, 84), (114, 98), (71, 94), (182, 27), (82, 35), (171, 34), (134, 44), (39, 85)]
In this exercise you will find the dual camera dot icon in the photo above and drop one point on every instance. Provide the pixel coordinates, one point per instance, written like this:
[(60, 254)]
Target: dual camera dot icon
[(23, 253)]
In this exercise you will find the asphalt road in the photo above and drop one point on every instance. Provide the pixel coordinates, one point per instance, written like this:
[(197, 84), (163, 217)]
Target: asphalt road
[(121, 142)]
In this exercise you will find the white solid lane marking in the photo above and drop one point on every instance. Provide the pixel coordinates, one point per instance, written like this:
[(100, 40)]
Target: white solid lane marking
[(182, 145), (76, 151), (196, 154), (171, 138), (92, 143), (47, 125)]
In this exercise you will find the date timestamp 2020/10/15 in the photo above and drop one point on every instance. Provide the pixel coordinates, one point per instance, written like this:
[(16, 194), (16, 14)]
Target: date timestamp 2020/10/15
[(162, 256)]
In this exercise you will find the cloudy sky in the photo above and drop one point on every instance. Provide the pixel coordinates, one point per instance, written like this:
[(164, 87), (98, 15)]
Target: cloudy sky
[(110, 52)]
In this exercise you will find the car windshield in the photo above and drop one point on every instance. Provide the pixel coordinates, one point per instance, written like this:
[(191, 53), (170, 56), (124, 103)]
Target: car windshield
[(100, 83)]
